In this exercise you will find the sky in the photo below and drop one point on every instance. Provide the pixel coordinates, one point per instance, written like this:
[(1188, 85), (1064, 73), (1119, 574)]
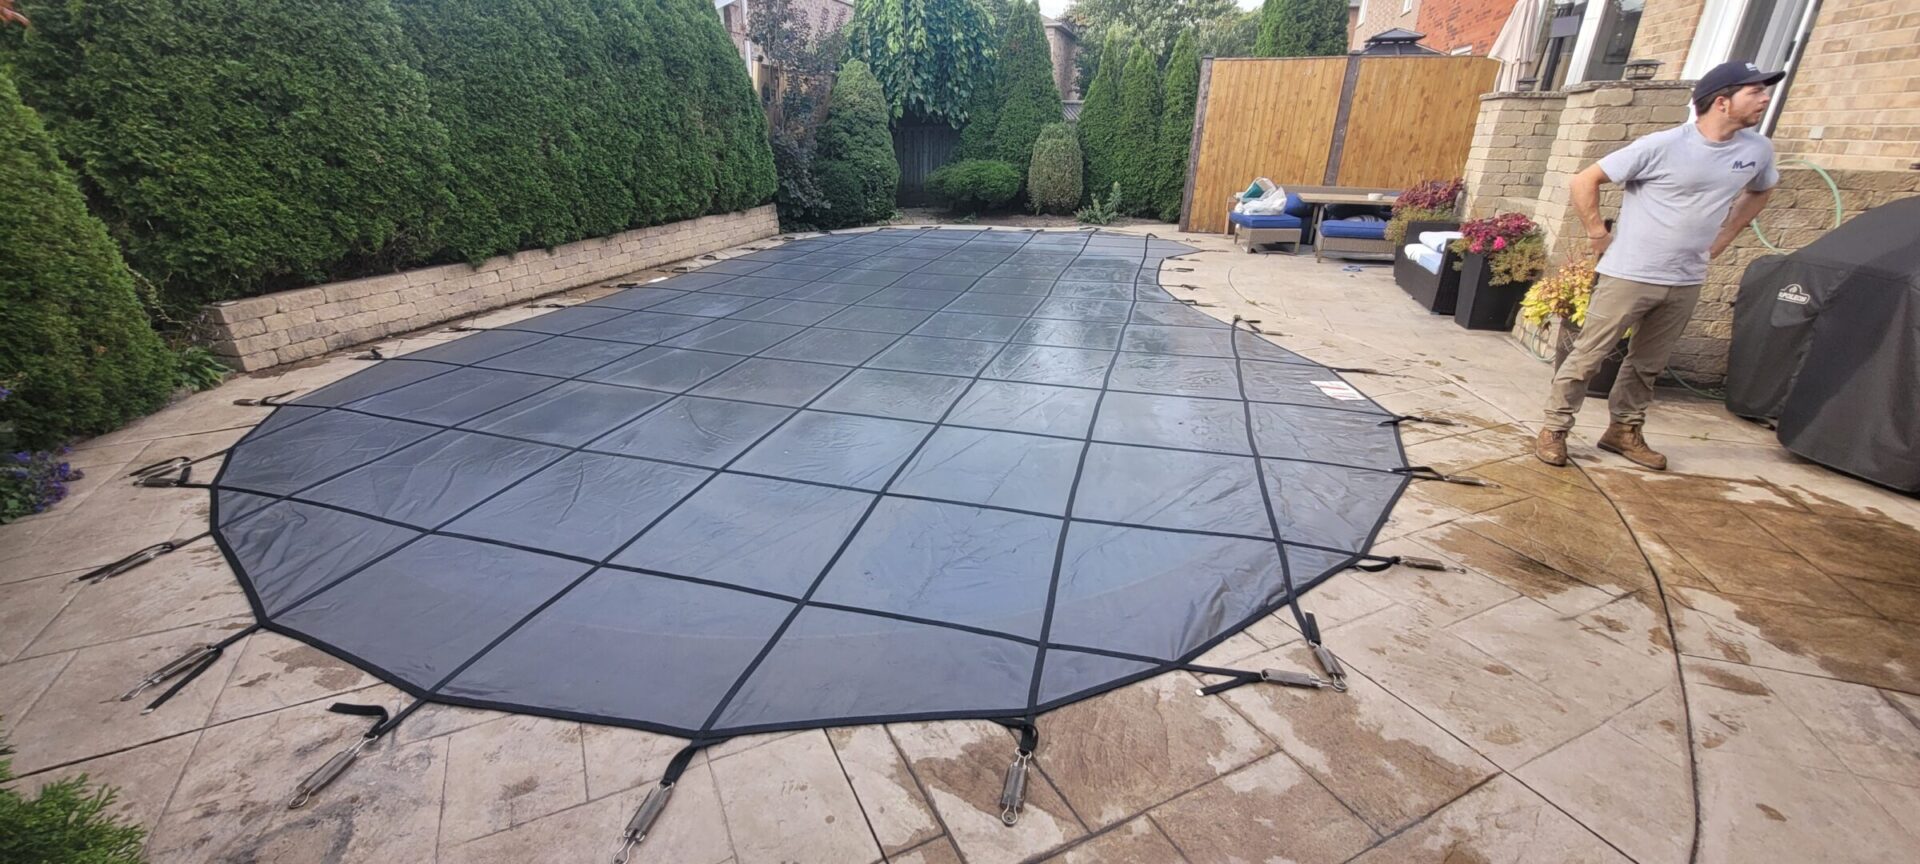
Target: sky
[(1053, 8)]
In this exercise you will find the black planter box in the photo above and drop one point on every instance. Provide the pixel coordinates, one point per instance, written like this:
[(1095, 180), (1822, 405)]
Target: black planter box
[(1485, 307), (1435, 291)]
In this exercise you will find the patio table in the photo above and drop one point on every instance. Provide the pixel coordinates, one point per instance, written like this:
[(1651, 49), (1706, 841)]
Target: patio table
[(1322, 196)]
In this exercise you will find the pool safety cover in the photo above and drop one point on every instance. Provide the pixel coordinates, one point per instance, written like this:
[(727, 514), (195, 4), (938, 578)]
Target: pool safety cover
[(905, 474)]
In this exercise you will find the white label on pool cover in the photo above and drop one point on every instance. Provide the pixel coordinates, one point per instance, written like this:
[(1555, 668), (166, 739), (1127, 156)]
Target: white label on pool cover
[(1339, 390)]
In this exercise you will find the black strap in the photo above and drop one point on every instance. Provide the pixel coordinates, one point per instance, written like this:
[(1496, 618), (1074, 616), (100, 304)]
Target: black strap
[(213, 655), (108, 571), (181, 683), (265, 401), (1029, 733), (1428, 472), (1235, 679), (678, 764), (380, 726), (1310, 628), (1416, 418)]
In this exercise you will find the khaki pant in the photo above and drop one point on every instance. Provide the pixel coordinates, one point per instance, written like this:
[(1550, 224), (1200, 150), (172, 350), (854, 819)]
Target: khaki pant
[(1657, 315)]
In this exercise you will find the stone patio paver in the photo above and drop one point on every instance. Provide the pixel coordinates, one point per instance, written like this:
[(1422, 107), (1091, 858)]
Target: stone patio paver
[(1521, 708)]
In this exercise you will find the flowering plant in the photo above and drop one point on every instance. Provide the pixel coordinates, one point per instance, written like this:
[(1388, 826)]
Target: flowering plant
[(30, 481), (1431, 195), (1515, 249), (1426, 201), (1564, 294)]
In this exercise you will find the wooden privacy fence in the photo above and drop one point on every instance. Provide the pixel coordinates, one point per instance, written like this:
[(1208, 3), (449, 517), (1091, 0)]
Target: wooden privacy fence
[(920, 148), (1369, 121)]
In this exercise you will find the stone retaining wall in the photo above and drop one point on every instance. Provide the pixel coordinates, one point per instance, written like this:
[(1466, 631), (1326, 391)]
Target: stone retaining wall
[(1511, 141), (1600, 117), (259, 332)]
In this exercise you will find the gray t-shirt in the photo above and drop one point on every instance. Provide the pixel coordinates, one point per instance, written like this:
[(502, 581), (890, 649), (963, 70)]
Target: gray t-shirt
[(1679, 186)]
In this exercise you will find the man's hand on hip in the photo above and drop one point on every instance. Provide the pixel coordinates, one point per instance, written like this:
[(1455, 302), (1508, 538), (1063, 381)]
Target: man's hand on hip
[(1599, 242)]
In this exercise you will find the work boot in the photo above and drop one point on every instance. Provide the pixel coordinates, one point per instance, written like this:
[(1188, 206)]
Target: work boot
[(1627, 441), (1551, 447)]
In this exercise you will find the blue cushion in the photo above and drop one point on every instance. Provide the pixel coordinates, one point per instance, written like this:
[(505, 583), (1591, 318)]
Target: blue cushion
[(1274, 220), (1354, 229), (1297, 207)]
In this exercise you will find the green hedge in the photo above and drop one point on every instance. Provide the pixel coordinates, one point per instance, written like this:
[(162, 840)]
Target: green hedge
[(75, 346), (1022, 99), (975, 185), (1176, 126), (234, 149), (1302, 28), (1053, 174), (240, 148), (854, 165), (1099, 124), (1134, 158)]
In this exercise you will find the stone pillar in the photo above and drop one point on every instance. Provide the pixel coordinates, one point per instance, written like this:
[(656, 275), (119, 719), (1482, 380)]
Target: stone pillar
[(1511, 141), (1599, 118)]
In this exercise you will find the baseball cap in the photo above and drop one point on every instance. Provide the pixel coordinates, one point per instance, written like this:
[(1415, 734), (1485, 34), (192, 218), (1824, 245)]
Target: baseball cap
[(1733, 73)]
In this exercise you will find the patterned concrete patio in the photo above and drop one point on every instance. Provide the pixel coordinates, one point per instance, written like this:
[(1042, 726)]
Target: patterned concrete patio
[(1524, 708)]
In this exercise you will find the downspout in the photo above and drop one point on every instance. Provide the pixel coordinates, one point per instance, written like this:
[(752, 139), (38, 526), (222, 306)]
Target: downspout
[(1799, 50)]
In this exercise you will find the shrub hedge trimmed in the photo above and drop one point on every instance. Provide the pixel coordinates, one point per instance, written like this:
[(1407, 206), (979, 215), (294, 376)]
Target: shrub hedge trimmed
[(1022, 99), (975, 185), (240, 148), (854, 165), (1099, 123), (1134, 157), (1182, 90), (236, 149), (1053, 174), (75, 346)]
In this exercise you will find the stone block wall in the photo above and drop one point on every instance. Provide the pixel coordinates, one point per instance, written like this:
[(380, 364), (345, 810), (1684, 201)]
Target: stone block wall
[(1600, 117), (259, 332), (1508, 158), (1800, 211)]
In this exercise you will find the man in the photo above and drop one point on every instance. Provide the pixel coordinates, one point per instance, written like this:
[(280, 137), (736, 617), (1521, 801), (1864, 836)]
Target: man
[(1689, 191)]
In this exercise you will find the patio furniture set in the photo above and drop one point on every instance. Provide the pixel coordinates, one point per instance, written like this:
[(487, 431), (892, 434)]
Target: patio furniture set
[(1342, 222)]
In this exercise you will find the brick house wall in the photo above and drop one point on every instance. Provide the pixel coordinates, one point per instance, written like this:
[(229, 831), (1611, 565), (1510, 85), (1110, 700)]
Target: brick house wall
[(1665, 34), (1379, 16), (1062, 46), (1858, 87), (1854, 104), (1451, 24)]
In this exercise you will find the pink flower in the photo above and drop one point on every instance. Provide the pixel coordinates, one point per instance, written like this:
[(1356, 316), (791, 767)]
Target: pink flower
[(1499, 243)]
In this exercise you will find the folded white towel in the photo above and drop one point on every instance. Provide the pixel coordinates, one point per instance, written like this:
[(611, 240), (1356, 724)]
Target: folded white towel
[(1438, 240), (1424, 256)]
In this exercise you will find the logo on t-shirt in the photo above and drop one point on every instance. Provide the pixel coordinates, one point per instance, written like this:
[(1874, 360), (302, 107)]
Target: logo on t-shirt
[(1795, 294), (1739, 165)]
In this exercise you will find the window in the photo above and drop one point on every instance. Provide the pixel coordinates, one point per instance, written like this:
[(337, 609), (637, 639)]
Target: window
[(1406, 7), (1611, 44)]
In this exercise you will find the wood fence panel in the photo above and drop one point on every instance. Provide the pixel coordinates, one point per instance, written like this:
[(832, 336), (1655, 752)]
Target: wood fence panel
[(1268, 118), (1412, 119), (921, 148)]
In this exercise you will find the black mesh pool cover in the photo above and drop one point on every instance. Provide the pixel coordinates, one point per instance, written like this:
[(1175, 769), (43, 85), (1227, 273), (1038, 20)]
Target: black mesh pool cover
[(873, 476)]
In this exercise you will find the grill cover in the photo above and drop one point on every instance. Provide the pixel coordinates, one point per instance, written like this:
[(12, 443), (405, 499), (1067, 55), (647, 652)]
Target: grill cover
[(1826, 341), (858, 477)]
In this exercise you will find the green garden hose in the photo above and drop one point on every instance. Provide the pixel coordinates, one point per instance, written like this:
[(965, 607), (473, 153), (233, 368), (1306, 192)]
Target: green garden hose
[(1839, 211)]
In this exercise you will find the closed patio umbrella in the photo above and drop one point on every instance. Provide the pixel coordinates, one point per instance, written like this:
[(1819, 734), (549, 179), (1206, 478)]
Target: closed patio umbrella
[(1517, 44)]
